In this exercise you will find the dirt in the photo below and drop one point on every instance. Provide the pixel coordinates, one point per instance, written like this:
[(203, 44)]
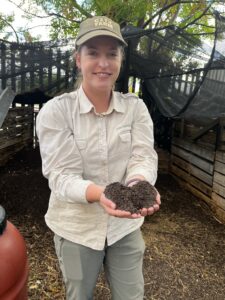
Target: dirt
[(132, 199), (184, 257)]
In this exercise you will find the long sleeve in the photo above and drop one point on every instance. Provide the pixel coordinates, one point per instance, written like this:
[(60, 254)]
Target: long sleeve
[(61, 160), (144, 159)]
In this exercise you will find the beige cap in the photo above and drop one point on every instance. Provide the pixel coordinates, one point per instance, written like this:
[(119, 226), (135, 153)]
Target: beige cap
[(97, 26)]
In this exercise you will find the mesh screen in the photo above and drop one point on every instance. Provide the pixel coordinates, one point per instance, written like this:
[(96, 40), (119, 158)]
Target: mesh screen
[(183, 77), (180, 76)]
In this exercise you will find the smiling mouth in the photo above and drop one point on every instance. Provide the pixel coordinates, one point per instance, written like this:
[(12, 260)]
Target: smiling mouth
[(103, 74)]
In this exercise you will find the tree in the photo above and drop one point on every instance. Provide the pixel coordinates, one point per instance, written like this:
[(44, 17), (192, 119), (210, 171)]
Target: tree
[(65, 15)]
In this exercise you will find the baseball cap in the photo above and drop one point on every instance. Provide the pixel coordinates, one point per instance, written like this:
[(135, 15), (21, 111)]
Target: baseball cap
[(97, 26)]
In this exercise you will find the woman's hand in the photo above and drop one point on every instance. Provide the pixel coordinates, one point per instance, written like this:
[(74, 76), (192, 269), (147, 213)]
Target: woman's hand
[(151, 210), (110, 208)]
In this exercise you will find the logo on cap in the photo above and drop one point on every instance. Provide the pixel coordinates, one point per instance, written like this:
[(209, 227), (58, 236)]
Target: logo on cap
[(103, 22)]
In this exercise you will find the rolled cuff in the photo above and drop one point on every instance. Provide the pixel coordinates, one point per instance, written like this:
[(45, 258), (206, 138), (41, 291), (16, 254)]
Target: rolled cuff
[(69, 187), (76, 191)]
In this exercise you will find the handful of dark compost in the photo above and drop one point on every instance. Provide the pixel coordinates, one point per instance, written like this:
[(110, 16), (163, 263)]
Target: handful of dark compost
[(132, 199)]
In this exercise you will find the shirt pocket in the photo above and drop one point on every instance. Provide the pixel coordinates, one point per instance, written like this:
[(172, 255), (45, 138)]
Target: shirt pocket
[(124, 139), (81, 143)]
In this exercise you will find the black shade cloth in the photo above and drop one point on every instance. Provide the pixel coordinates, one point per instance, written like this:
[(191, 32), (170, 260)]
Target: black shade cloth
[(182, 75)]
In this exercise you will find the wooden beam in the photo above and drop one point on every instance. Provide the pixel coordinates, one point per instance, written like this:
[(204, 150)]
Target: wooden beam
[(208, 154), (219, 167), (218, 200), (193, 190), (219, 189), (218, 213), (193, 170), (191, 180), (220, 156), (198, 161), (204, 130)]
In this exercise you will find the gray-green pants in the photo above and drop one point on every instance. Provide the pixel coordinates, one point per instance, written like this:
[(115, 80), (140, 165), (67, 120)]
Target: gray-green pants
[(122, 263)]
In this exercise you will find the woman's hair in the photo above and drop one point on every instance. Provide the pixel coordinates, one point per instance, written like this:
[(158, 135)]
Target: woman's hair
[(79, 76), (78, 81)]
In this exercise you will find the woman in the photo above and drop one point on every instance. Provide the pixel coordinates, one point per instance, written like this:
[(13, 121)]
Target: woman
[(88, 139)]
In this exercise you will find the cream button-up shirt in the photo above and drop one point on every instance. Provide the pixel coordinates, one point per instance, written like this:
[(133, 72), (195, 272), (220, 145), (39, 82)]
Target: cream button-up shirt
[(79, 146)]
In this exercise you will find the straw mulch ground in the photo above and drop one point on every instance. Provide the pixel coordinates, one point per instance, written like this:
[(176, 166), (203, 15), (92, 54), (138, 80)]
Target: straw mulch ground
[(185, 245)]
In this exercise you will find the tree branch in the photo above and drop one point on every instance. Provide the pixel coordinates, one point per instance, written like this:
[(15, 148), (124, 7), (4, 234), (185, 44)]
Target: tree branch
[(198, 18), (44, 17), (177, 2), (10, 25), (81, 10)]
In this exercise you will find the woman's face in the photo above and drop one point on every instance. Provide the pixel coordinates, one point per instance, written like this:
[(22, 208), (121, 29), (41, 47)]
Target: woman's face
[(99, 60)]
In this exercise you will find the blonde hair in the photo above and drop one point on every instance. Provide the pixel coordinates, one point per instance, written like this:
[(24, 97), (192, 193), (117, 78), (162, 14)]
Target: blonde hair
[(78, 81)]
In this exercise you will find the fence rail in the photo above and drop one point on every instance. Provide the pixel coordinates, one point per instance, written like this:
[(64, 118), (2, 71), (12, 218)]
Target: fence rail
[(24, 67), (16, 132), (199, 165)]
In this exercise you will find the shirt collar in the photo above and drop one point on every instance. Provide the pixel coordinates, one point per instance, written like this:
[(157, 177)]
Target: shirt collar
[(84, 103), (86, 106)]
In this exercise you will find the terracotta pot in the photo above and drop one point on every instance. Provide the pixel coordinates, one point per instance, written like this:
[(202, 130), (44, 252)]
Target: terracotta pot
[(13, 261)]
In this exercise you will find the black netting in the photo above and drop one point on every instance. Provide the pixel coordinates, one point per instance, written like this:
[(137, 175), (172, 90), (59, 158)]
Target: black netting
[(181, 75)]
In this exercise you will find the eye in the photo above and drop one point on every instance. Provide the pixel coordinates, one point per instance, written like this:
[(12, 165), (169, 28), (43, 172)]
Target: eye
[(92, 53), (113, 54)]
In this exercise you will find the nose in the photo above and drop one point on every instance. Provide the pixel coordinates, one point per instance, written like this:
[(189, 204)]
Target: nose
[(103, 62)]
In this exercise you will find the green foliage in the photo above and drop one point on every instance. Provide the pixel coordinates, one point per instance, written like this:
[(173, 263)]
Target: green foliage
[(193, 16), (123, 12), (65, 15), (5, 23)]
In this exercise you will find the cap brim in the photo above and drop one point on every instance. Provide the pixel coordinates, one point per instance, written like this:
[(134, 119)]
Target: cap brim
[(96, 33)]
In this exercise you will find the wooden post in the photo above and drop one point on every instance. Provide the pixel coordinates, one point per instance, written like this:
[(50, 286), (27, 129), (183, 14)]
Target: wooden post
[(3, 66), (13, 77), (22, 68), (186, 83), (67, 63), (31, 65), (221, 134), (182, 124), (49, 69), (58, 69), (41, 66)]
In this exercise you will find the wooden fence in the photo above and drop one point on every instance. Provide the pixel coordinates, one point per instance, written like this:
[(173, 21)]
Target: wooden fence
[(218, 189), (46, 66), (16, 132), (198, 162)]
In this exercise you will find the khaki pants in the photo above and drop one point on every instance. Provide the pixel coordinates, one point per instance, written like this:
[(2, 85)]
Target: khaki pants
[(122, 264)]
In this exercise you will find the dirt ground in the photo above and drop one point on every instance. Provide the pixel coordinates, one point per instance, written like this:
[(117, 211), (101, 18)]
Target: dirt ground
[(185, 245)]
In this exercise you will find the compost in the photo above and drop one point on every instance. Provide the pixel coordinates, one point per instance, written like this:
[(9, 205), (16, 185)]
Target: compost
[(184, 257), (132, 199)]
